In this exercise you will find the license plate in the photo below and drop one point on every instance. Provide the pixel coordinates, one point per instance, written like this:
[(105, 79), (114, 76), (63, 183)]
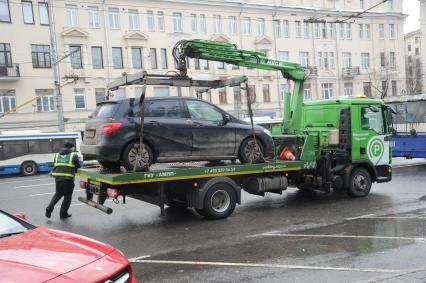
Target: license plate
[(90, 134)]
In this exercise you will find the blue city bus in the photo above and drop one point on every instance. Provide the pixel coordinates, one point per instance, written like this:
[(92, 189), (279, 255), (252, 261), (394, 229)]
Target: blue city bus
[(31, 152)]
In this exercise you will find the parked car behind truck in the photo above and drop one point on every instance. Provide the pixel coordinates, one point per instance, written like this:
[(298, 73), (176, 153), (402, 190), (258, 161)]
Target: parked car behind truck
[(175, 129)]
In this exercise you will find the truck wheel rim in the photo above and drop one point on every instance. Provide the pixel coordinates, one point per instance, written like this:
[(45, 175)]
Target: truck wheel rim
[(360, 183), (138, 159), (252, 151), (220, 201)]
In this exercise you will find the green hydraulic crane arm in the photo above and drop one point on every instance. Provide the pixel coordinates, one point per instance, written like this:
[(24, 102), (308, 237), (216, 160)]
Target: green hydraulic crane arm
[(229, 53)]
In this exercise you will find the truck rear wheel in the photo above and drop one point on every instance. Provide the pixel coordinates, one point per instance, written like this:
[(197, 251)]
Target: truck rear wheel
[(29, 168), (219, 202), (359, 183)]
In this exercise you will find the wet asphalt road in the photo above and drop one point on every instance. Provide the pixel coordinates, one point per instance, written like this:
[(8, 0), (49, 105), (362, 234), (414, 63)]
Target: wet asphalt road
[(294, 237)]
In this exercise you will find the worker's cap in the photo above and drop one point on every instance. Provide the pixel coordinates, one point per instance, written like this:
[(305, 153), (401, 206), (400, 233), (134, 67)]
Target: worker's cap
[(69, 145)]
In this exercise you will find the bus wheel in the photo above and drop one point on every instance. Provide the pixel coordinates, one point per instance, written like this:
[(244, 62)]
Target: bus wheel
[(219, 202), (359, 183), (29, 168)]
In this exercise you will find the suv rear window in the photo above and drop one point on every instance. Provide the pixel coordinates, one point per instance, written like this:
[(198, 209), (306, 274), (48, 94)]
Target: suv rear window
[(105, 110)]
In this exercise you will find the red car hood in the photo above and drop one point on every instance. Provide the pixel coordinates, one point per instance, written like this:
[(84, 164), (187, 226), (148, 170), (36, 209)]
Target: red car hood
[(42, 254)]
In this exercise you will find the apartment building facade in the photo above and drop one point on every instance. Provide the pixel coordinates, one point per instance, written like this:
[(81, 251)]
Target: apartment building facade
[(423, 42), (413, 62), (343, 55)]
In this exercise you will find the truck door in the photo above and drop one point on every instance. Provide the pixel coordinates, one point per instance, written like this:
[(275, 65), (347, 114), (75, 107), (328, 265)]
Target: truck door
[(370, 140)]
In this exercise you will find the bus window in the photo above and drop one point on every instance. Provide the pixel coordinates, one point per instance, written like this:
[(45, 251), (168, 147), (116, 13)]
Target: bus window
[(39, 146), (14, 149), (1, 151)]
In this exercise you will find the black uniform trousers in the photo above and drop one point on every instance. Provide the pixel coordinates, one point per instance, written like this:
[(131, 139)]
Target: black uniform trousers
[(64, 188)]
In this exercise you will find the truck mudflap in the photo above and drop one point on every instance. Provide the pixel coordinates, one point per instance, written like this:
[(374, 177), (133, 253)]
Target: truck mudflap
[(91, 203)]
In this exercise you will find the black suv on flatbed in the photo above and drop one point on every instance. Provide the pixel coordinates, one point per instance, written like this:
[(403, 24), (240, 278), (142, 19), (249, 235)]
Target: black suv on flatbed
[(175, 129)]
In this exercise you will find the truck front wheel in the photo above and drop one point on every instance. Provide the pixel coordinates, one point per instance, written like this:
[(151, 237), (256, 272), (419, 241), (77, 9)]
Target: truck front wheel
[(359, 183), (219, 201)]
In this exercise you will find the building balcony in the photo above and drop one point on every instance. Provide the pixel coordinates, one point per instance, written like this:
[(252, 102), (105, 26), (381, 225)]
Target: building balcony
[(10, 73), (350, 72)]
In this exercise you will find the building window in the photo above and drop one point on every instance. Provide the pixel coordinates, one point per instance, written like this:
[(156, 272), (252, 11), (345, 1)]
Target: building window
[(382, 59), (324, 30), (40, 56), (341, 31), (381, 31), (305, 30), (220, 65), (164, 64), (4, 11), (286, 28), (117, 58), (307, 91), (348, 30), (5, 55), (93, 17), (297, 28), (114, 18), (237, 94), (79, 99), (391, 31), (365, 60), (99, 95), (417, 39), (331, 30), (252, 93), (390, 4), (347, 61), (284, 88), (384, 88), (316, 30), (203, 28), (222, 96), (205, 64), (150, 21), (364, 31), (43, 13), (177, 22), (326, 60), (394, 88), (76, 60), (392, 59), (260, 26), (304, 59), (417, 52), (361, 4), (348, 89), (153, 54), (27, 12), (196, 64), (45, 100), (193, 23), (7, 100), (160, 20), (246, 26), (217, 27), (160, 91), (71, 15), (367, 89), (283, 55), (409, 47), (232, 25), (120, 94), (277, 28), (136, 58), (327, 90), (266, 93), (134, 19), (97, 58)]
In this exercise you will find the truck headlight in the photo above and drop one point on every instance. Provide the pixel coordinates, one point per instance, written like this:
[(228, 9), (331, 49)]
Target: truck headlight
[(267, 132)]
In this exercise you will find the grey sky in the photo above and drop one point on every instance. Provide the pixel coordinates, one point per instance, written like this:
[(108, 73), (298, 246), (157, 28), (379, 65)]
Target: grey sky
[(412, 8)]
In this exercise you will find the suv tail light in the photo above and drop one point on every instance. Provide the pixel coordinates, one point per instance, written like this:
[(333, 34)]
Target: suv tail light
[(111, 128)]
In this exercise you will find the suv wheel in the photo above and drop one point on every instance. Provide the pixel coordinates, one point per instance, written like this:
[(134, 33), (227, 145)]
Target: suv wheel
[(132, 158), (251, 151)]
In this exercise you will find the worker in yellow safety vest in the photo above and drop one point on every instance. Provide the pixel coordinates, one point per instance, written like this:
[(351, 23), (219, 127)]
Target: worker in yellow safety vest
[(65, 167)]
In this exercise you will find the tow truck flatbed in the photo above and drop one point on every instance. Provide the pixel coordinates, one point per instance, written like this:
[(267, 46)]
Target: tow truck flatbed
[(185, 171)]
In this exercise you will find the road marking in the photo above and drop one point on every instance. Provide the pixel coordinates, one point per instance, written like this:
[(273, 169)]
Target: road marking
[(264, 265), (45, 194), (343, 236), (21, 181), (139, 258), (361, 216), (397, 217), (30, 186)]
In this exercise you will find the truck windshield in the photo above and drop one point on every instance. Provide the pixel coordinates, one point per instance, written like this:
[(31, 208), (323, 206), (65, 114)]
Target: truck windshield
[(371, 120)]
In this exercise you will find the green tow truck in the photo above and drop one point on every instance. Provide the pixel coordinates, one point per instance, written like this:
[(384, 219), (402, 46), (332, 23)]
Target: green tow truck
[(332, 144)]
